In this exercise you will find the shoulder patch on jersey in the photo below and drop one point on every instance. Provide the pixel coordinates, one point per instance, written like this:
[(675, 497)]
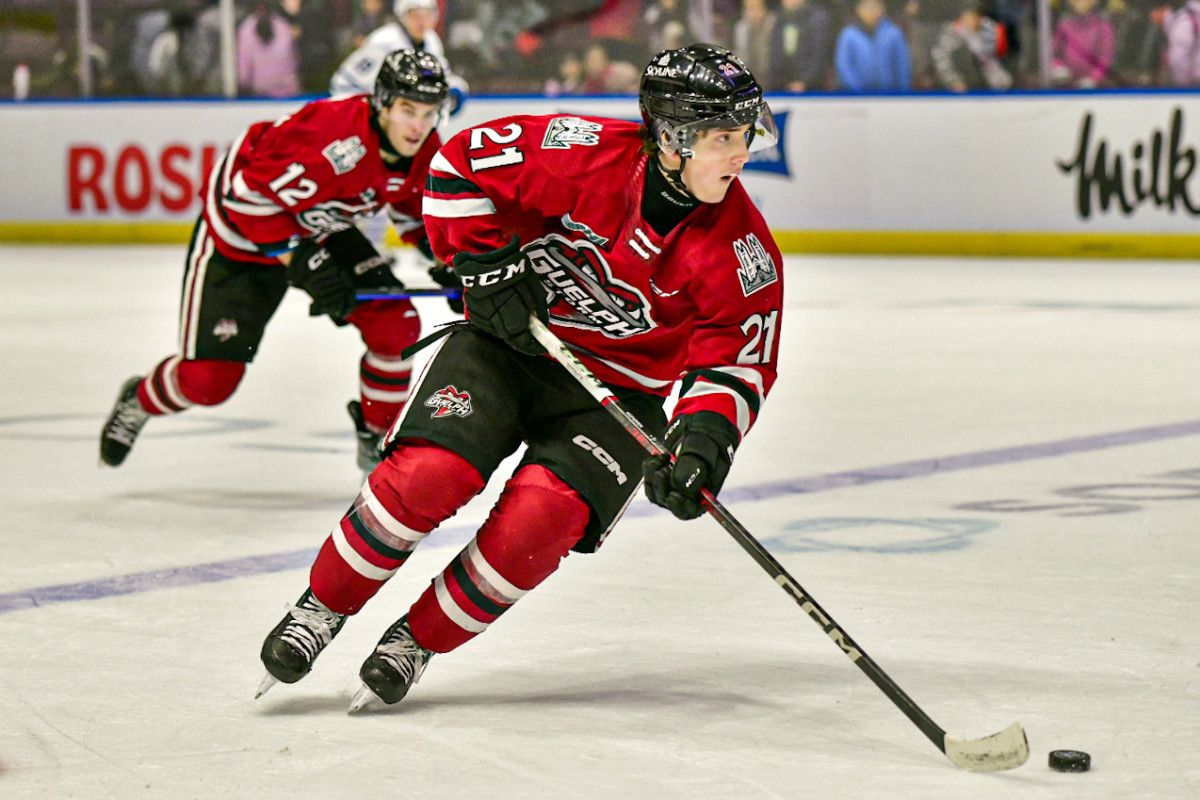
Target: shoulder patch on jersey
[(562, 132), (756, 269), (344, 154)]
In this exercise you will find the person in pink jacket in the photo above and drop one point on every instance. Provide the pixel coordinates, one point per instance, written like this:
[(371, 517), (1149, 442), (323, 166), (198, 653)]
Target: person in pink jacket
[(1182, 30), (1083, 46), (268, 63)]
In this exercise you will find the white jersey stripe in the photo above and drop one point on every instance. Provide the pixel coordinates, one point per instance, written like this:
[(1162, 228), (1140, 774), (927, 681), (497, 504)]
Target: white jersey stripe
[(440, 163), (646, 240), (467, 207), (354, 560), (451, 609), (746, 375), (743, 408), (649, 383)]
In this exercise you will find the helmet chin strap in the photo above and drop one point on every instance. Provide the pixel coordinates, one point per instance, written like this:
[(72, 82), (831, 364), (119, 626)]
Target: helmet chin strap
[(675, 176)]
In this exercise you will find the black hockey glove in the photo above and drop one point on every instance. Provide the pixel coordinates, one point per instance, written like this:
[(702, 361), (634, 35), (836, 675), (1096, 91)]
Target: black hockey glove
[(703, 445), (501, 292), (448, 279), (369, 269), (314, 269), (330, 270)]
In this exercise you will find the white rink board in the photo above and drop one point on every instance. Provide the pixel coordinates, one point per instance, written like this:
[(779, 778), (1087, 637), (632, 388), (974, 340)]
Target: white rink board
[(847, 164)]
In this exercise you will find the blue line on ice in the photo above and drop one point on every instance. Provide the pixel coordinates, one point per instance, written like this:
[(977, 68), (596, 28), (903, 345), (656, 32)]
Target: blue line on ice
[(296, 559)]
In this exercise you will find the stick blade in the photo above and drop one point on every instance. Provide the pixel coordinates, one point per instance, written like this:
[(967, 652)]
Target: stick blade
[(1004, 750)]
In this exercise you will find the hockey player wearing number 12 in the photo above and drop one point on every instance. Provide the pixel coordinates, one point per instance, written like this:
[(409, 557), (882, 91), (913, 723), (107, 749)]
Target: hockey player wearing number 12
[(291, 191), (642, 251)]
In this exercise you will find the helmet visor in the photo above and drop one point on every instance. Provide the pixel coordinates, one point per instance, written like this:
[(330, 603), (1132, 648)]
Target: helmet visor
[(761, 135)]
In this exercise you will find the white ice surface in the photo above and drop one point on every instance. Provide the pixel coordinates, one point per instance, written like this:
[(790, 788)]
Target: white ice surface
[(668, 665)]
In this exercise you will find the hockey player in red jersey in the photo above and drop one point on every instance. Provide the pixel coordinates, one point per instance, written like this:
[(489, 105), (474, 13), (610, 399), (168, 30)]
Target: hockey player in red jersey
[(641, 250), (287, 194)]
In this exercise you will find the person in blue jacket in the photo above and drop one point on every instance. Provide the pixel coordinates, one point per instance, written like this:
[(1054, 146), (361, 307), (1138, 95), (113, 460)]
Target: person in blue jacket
[(871, 54)]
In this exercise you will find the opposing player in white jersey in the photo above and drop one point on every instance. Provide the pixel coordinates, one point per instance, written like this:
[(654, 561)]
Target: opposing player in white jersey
[(412, 28), (639, 247)]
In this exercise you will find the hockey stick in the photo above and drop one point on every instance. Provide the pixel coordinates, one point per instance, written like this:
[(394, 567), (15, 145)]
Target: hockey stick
[(1004, 750), (385, 293)]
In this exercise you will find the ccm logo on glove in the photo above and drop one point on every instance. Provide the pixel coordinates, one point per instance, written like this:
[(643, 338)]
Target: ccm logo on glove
[(494, 277)]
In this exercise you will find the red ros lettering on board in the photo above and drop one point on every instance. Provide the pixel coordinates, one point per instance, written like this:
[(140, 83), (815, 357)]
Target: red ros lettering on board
[(134, 180)]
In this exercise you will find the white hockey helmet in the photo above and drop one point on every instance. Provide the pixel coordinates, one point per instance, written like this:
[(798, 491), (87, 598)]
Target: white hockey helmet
[(402, 7)]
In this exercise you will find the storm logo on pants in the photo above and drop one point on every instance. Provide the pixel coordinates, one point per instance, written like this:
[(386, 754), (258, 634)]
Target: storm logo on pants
[(450, 401)]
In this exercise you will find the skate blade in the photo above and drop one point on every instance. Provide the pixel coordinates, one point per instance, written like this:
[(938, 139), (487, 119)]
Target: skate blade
[(268, 681), (364, 698)]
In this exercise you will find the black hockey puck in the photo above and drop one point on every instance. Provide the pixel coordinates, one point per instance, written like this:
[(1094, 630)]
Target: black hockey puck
[(1070, 761)]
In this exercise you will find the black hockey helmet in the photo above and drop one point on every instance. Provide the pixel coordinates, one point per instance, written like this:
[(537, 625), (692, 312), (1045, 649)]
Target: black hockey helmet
[(702, 86), (412, 75)]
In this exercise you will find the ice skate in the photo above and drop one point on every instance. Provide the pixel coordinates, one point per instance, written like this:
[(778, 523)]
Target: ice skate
[(123, 424), (368, 440), (290, 649), (392, 669)]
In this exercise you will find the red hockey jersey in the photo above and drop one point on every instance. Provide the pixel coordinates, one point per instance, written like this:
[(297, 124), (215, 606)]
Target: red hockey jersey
[(307, 174), (642, 311)]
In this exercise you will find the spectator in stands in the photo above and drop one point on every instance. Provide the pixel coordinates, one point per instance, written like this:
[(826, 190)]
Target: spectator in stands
[(569, 79), (164, 66), (926, 19), (799, 47), (967, 54), (312, 22), (201, 54), (667, 26), (1138, 43), (615, 25), (752, 35), (871, 55), (1182, 29), (1083, 46), (268, 64), (602, 75), (372, 14)]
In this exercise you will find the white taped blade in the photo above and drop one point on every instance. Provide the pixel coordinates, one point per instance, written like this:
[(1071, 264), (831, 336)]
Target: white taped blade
[(1004, 750)]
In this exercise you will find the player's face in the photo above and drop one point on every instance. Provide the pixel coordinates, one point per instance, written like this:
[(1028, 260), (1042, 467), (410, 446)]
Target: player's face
[(720, 154), (407, 124), (418, 22)]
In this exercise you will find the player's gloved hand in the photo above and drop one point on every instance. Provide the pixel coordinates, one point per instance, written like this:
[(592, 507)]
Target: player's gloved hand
[(314, 269), (501, 292), (368, 268), (703, 445), (448, 279)]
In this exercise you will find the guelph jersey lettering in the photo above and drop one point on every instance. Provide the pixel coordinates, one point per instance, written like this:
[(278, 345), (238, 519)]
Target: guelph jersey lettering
[(335, 215), (579, 275)]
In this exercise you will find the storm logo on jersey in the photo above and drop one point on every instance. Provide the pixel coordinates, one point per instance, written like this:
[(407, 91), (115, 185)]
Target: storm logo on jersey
[(450, 401), (579, 277)]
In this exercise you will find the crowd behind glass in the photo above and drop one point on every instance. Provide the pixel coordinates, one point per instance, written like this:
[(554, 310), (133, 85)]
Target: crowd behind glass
[(172, 49)]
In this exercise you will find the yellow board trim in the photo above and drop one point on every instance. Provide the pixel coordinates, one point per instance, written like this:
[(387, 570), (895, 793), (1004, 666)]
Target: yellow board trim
[(947, 243), (997, 243)]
